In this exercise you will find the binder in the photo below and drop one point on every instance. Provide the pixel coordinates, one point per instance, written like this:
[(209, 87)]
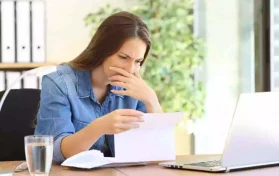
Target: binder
[(2, 80), (23, 31), (8, 31), (11, 77), (38, 31), (30, 82)]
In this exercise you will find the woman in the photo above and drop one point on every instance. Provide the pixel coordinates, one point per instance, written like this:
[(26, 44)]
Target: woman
[(100, 92)]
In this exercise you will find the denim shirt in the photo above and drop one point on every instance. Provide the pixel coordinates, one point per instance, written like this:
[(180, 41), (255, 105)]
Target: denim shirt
[(68, 104)]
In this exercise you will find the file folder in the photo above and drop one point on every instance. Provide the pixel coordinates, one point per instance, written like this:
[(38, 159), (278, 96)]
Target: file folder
[(30, 82), (23, 31), (11, 77), (38, 31), (8, 31)]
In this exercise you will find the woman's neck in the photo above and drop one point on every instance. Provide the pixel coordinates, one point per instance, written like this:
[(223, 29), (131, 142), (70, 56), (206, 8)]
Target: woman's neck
[(98, 78), (99, 84)]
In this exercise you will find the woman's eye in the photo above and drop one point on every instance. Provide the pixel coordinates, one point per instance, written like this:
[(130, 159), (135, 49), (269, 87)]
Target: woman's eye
[(123, 57), (139, 61)]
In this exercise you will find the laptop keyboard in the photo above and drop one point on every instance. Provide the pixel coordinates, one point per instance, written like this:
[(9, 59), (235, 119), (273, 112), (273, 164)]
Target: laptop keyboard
[(213, 163)]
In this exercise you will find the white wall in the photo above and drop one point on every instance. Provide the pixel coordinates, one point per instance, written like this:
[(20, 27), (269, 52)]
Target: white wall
[(66, 33)]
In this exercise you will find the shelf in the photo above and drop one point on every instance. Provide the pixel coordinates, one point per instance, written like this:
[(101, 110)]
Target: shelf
[(23, 66)]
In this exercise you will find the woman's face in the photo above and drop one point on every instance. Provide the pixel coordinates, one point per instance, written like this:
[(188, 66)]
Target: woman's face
[(129, 57)]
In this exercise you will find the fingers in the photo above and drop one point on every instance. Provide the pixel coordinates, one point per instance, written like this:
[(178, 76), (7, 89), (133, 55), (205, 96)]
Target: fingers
[(121, 71), (119, 84), (122, 127), (128, 119), (127, 126), (120, 92), (137, 74), (129, 112), (119, 78)]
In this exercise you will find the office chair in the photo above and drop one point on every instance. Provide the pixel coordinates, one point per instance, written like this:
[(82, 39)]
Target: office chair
[(17, 119), (18, 110)]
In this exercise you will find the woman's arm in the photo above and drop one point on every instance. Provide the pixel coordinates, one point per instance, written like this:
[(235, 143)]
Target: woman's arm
[(115, 122), (54, 118), (81, 140)]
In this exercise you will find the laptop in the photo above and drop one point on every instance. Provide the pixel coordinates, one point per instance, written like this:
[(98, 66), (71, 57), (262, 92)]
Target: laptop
[(253, 138)]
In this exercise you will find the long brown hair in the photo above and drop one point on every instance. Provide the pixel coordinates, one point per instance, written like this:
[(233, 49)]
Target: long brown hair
[(109, 38)]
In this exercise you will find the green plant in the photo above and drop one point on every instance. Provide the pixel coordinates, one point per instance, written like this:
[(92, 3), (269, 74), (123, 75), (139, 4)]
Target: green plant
[(175, 55)]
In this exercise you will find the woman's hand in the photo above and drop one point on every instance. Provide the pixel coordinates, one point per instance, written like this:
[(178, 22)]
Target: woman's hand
[(119, 121), (133, 84)]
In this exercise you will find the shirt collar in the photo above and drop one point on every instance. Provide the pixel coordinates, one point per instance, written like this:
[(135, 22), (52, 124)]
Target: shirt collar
[(84, 86), (85, 89)]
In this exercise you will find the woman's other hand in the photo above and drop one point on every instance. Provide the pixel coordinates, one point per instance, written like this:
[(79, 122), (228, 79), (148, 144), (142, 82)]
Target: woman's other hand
[(119, 121)]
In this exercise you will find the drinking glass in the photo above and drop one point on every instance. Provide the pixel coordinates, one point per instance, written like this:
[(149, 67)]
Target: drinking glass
[(39, 153)]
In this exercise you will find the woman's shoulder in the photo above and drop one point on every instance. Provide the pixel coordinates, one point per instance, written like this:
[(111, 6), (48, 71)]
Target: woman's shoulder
[(64, 76), (61, 71)]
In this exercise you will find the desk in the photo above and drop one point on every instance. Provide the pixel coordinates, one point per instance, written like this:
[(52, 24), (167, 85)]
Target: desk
[(154, 170), (149, 170), (61, 171)]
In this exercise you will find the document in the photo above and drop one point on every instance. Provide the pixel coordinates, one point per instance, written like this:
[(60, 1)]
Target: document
[(153, 141)]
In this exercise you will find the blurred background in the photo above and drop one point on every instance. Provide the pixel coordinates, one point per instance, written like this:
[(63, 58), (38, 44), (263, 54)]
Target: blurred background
[(205, 53)]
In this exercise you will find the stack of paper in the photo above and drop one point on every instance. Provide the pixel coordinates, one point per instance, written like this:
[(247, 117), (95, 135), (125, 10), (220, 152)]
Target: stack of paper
[(88, 159), (93, 159), (153, 141)]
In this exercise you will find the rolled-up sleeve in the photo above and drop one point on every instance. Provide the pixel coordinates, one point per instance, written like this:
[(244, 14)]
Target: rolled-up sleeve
[(54, 115), (141, 107)]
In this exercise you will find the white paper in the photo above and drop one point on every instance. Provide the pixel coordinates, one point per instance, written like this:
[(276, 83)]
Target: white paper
[(115, 164), (153, 141), (160, 120), (88, 159), (93, 159)]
